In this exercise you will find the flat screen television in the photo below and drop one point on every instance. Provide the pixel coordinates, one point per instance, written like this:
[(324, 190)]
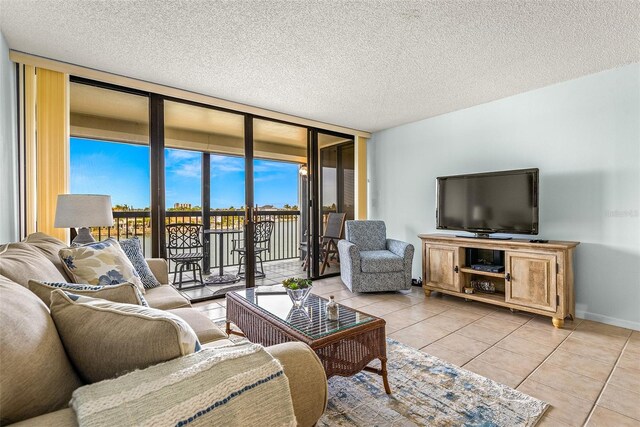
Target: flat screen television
[(485, 203)]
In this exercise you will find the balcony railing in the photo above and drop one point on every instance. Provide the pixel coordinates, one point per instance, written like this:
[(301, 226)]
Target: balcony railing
[(284, 244)]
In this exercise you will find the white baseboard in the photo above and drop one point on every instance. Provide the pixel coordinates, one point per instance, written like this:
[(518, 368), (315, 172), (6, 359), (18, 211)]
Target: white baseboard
[(608, 320)]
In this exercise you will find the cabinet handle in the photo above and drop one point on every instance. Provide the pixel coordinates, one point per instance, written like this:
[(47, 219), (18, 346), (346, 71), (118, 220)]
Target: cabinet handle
[(455, 269), (507, 277)]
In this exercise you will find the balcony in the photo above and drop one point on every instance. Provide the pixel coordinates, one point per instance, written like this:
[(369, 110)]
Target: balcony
[(281, 261)]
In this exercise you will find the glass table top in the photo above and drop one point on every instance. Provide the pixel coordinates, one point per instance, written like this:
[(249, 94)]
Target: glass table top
[(310, 319)]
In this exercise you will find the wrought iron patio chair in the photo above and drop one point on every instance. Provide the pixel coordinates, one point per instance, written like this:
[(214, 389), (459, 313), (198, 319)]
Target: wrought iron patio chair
[(186, 250), (261, 238)]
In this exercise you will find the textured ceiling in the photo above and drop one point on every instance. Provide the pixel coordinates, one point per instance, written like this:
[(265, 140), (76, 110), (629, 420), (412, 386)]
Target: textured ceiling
[(367, 65)]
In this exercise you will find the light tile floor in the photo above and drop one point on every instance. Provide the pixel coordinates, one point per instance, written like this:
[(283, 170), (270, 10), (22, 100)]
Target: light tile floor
[(275, 272), (589, 372)]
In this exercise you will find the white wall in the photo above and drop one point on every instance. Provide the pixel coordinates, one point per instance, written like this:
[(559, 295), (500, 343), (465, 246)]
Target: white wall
[(8, 147), (583, 135)]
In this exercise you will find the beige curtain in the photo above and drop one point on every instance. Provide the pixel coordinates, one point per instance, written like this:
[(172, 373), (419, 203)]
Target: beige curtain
[(361, 177), (46, 147)]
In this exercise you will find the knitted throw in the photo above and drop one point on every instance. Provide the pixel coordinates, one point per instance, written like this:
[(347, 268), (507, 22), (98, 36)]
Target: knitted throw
[(234, 385)]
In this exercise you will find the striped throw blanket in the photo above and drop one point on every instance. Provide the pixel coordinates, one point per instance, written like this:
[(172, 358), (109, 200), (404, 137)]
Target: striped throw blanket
[(235, 385)]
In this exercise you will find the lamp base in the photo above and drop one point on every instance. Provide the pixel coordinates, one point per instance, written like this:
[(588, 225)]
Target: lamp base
[(84, 236)]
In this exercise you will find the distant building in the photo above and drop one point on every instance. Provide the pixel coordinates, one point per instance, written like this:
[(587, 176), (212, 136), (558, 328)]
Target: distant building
[(181, 206)]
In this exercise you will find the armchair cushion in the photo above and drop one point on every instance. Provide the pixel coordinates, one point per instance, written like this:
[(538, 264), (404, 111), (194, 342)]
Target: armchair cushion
[(380, 261), (367, 235)]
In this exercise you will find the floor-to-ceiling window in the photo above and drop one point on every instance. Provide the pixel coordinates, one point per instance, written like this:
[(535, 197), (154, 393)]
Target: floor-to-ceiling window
[(109, 154), (204, 179)]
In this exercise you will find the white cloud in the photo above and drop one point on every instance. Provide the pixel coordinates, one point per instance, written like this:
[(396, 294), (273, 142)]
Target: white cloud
[(191, 169), (226, 164), (174, 155)]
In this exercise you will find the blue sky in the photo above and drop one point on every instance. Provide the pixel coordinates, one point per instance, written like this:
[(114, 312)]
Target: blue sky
[(122, 170)]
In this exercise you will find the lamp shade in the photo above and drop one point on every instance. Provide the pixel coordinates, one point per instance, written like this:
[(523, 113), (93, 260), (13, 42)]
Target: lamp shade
[(83, 210)]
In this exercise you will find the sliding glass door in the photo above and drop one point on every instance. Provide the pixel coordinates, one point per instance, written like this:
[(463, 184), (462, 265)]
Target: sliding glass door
[(280, 160), (206, 194), (335, 180)]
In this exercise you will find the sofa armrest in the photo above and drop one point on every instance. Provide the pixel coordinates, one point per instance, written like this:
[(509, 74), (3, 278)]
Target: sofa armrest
[(399, 247), (349, 257), (160, 269), (307, 380)]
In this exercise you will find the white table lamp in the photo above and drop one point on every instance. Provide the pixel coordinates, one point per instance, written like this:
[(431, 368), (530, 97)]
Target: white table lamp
[(82, 211)]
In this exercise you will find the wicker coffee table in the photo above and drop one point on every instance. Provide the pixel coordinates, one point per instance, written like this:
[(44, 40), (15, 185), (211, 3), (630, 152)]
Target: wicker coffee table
[(345, 346)]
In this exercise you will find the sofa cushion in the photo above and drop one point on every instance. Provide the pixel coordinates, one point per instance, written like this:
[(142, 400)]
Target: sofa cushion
[(204, 328), (21, 262), (367, 235), (133, 249), (62, 418), (380, 262), (100, 263), (105, 339), (37, 377), (49, 247), (126, 293), (165, 297)]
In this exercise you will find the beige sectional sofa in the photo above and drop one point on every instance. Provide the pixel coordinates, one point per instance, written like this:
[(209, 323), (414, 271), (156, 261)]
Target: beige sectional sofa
[(36, 376)]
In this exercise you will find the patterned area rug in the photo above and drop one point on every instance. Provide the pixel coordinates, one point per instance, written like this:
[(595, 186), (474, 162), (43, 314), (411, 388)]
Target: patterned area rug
[(426, 391)]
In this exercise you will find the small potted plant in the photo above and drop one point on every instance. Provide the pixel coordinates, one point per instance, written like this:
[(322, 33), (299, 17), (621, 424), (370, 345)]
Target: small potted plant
[(297, 289)]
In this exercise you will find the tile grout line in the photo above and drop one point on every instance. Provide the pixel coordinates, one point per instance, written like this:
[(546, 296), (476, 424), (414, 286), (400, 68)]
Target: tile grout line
[(606, 383), (548, 356), (495, 344)]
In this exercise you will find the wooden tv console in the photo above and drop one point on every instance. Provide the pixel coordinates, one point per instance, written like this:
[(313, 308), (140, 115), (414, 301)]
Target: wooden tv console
[(537, 277)]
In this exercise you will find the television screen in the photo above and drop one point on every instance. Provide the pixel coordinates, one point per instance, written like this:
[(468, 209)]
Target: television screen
[(494, 202)]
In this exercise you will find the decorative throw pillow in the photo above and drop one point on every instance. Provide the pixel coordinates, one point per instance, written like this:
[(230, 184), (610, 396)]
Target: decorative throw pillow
[(133, 249), (126, 293), (105, 339), (100, 263)]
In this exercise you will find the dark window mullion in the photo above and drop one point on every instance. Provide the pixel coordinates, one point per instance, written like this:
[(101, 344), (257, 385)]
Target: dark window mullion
[(157, 172)]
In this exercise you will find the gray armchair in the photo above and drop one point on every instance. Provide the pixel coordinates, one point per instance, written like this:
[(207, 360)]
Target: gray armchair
[(369, 262)]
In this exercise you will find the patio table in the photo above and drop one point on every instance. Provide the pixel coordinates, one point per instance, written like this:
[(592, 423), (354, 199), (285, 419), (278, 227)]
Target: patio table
[(222, 278)]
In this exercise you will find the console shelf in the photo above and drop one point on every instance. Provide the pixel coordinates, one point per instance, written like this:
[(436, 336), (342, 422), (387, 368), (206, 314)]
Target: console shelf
[(481, 273), (538, 277)]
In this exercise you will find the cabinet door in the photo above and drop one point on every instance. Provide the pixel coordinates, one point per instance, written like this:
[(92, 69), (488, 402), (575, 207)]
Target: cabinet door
[(442, 266), (530, 280)]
